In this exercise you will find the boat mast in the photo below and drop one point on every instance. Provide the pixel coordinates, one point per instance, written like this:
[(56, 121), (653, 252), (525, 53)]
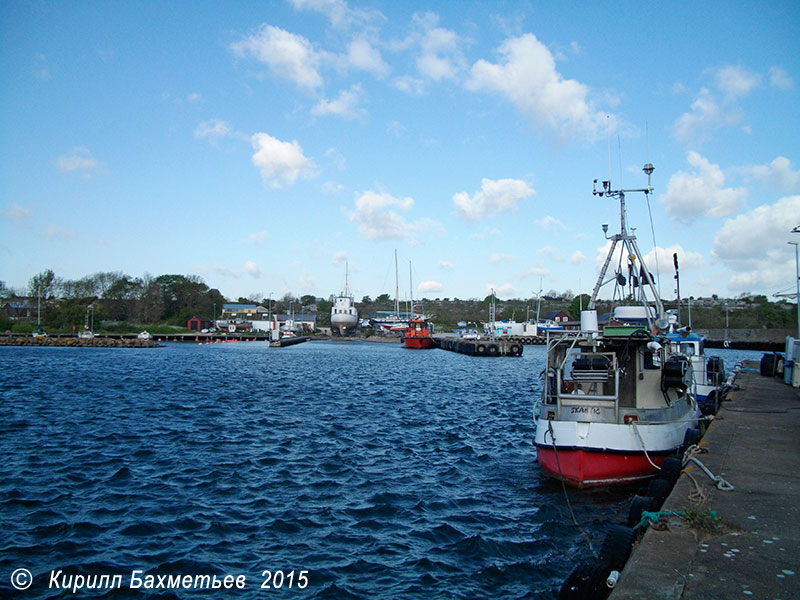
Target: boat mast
[(411, 288), (396, 287), (628, 242)]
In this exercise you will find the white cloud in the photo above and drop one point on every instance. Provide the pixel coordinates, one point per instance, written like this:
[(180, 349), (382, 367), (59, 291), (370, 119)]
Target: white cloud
[(332, 187), (547, 251), (280, 163), (252, 269), (577, 258), (439, 56), (339, 257), (778, 173), (288, 55), (707, 114), (362, 55), (409, 85), (339, 13), (701, 192), (778, 78), (249, 268), (550, 223), (79, 159), (526, 74), (17, 214), (506, 290), (736, 81), (428, 286), (345, 105), (494, 197), (687, 261), (258, 239), (376, 218), (445, 265), (498, 257), (753, 246), (213, 129)]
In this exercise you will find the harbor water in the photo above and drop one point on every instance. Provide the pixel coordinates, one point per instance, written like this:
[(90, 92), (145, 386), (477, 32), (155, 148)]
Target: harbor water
[(372, 470)]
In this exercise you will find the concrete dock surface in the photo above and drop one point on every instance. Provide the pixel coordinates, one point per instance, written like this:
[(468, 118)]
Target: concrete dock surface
[(743, 543)]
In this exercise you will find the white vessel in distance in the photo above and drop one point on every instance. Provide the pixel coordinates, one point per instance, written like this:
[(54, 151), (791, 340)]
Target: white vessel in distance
[(344, 315)]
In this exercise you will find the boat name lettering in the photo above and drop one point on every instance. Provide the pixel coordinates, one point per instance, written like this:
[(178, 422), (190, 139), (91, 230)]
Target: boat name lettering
[(585, 410)]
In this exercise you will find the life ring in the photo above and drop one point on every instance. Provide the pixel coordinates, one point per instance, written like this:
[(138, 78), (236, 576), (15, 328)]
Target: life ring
[(232, 328)]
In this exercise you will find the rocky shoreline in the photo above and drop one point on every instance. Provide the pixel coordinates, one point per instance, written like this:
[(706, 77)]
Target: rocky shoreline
[(75, 342)]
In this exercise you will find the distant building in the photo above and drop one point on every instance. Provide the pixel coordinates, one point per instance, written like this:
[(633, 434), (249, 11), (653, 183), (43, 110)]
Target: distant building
[(559, 316), (243, 312), (197, 323), (19, 309)]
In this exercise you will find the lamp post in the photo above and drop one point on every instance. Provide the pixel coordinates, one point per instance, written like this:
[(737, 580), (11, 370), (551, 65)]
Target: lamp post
[(797, 273)]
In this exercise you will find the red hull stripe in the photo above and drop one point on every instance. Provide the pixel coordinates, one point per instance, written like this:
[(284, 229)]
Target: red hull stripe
[(584, 468)]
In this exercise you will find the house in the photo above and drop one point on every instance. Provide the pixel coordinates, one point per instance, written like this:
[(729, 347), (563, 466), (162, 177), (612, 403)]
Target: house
[(243, 312), (197, 324), (559, 316), (19, 309)]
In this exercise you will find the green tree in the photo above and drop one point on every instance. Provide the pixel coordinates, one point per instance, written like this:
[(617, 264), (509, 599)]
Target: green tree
[(574, 310), (42, 284)]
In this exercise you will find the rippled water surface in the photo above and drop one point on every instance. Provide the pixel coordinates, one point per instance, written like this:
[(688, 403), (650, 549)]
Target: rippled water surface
[(382, 472)]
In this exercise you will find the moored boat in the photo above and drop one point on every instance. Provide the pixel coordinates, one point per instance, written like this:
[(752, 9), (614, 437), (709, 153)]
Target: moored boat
[(419, 334), (614, 403), (709, 380), (344, 315)]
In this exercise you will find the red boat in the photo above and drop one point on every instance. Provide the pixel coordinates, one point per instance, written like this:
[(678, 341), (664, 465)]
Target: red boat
[(418, 335)]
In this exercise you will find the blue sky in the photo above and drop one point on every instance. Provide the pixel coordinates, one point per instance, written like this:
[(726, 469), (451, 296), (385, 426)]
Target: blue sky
[(261, 145)]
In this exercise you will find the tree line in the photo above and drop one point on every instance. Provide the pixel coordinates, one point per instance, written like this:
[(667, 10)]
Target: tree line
[(122, 303)]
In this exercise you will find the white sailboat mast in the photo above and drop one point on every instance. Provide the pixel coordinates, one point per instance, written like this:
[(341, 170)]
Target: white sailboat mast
[(396, 287), (411, 288)]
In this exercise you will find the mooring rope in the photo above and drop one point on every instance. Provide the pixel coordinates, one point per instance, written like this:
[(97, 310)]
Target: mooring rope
[(564, 488), (691, 456)]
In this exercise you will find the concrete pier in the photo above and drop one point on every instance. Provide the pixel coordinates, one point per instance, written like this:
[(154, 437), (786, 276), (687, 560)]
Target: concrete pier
[(743, 543)]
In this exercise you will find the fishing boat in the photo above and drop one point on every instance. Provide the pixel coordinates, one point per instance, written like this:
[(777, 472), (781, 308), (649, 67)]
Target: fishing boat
[(615, 402), (709, 380), (344, 315), (419, 334)]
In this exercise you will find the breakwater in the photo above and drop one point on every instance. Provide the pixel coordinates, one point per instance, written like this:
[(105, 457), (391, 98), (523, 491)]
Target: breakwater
[(76, 342)]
